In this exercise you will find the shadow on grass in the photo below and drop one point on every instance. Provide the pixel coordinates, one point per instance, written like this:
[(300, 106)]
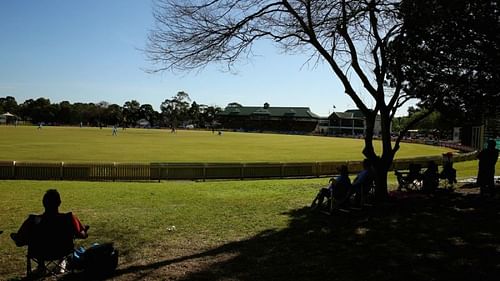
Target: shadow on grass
[(447, 237)]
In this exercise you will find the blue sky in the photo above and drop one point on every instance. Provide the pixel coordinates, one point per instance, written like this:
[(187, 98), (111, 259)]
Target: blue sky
[(89, 51)]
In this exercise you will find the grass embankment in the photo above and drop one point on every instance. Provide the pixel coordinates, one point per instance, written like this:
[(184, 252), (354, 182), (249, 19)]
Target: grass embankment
[(236, 230), (141, 145)]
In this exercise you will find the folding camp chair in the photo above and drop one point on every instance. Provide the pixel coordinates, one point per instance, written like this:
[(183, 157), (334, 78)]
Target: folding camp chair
[(50, 243), (367, 193), (448, 174), (330, 199), (411, 180)]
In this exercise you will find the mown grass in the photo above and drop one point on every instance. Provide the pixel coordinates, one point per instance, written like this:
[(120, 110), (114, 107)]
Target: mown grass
[(137, 216), (235, 230), (71, 144)]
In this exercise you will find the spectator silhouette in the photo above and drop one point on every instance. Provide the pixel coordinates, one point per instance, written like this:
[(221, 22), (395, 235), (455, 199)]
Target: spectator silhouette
[(51, 202), (363, 182), (338, 188), (364, 177), (486, 171), (430, 178)]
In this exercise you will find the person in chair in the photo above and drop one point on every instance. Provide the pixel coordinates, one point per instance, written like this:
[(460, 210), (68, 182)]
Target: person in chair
[(51, 202), (362, 182), (338, 188), (49, 236)]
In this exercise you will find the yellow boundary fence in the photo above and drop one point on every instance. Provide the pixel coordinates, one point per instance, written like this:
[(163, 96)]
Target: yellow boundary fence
[(189, 171)]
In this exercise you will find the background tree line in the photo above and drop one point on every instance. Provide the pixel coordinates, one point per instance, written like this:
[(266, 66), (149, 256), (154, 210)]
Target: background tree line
[(175, 111)]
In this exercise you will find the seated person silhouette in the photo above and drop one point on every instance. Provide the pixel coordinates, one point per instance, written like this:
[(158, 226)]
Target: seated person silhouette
[(430, 178), (49, 236), (362, 183), (338, 188)]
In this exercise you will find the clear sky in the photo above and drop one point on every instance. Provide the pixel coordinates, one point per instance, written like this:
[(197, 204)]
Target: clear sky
[(89, 51)]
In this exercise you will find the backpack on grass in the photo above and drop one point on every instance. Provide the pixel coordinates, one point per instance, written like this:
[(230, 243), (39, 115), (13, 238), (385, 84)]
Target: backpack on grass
[(97, 260)]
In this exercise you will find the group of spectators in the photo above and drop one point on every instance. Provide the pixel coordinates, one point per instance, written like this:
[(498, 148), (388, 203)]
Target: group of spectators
[(342, 190)]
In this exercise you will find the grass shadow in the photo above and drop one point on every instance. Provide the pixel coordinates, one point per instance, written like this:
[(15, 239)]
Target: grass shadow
[(446, 237)]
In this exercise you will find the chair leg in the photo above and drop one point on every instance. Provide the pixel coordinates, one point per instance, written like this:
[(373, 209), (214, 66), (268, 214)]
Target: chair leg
[(331, 203), (28, 266), (362, 199)]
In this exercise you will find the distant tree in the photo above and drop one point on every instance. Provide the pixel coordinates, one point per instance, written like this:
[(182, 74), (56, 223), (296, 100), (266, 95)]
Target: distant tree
[(79, 113), (92, 114), (146, 111), (8, 104), (131, 112), (209, 115), (65, 113), (175, 109), (39, 110), (24, 110), (440, 124), (194, 113), (101, 112), (86, 113), (114, 114)]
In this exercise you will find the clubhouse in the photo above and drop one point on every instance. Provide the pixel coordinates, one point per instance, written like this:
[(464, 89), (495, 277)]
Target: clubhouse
[(268, 118), (348, 123), (292, 120)]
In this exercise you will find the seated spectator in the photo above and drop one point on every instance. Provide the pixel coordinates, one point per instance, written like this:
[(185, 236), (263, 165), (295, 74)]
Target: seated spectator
[(51, 202), (363, 181), (364, 177), (338, 188), (430, 178)]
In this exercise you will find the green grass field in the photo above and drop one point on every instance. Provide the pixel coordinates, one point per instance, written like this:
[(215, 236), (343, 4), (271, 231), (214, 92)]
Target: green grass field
[(136, 216), (142, 145), (259, 228), (224, 230)]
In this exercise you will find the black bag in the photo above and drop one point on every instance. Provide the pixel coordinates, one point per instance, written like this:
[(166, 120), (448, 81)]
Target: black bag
[(99, 260)]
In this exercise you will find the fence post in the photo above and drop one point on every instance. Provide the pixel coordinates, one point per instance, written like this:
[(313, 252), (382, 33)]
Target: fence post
[(114, 172), (61, 171), (160, 169), (282, 170), (204, 171), (159, 173), (13, 169), (242, 171)]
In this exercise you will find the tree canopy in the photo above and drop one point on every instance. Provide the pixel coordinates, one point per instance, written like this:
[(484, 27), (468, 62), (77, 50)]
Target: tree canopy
[(102, 113), (450, 55)]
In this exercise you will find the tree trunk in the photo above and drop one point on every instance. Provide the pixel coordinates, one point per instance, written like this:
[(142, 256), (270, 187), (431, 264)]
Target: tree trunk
[(381, 171), (380, 164)]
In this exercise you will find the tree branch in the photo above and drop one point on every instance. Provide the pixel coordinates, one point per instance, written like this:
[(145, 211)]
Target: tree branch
[(410, 124)]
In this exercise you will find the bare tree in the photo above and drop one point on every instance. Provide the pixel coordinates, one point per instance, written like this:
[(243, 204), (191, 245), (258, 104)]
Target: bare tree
[(353, 37)]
